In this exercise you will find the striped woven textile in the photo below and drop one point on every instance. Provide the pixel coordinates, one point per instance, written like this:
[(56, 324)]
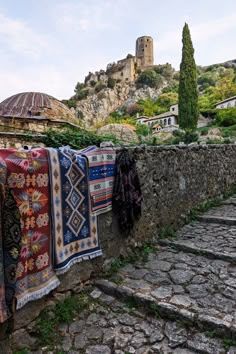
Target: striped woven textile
[(102, 169), (74, 227)]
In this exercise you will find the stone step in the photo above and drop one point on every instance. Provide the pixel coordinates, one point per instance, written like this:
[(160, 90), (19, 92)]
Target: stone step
[(180, 285), (224, 214), (216, 219), (135, 331), (225, 210), (231, 200), (213, 240)]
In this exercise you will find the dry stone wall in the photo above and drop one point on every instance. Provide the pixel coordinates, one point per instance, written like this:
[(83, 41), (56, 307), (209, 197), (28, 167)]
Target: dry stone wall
[(174, 179)]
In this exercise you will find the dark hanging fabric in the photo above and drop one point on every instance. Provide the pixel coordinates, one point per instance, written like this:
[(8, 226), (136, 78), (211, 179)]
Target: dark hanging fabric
[(127, 195), (11, 246)]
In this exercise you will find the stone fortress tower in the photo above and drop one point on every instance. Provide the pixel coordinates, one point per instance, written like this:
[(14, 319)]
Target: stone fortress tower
[(127, 69), (144, 50)]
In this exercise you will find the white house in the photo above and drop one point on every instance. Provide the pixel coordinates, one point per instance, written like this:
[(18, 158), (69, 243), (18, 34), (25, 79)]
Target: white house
[(227, 103), (141, 119), (169, 118)]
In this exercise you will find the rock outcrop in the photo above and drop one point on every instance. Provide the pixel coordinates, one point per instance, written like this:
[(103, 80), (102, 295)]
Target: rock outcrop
[(97, 107), (121, 131)]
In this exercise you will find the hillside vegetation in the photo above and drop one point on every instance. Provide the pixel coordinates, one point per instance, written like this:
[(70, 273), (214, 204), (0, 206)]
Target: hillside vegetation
[(153, 93)]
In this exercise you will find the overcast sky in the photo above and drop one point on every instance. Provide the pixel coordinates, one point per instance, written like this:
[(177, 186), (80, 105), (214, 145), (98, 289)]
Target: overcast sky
[(50, 45)]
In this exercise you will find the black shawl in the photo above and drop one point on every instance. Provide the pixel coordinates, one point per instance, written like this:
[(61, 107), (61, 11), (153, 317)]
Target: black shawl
[(127, 196)]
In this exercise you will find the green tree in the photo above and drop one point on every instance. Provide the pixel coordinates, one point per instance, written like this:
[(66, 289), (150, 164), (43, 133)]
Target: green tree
[(165, 100), (111, 82), (188, 93), (149, 78)]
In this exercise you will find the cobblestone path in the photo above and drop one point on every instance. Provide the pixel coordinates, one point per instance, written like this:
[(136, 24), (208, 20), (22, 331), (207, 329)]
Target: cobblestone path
[(182, 300)]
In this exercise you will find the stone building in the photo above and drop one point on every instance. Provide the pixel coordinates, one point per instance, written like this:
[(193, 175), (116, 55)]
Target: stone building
[(127, 69), (34, 113), (144, 51), (227, 103)]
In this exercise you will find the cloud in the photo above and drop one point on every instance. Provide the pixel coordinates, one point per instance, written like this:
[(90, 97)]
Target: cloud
[(168, 46), (208, 30), (91, 16), (47, 79), (19, 38)]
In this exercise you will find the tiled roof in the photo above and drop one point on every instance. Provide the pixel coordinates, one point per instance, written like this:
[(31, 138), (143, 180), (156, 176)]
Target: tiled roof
[(226, 100), (163, 115)]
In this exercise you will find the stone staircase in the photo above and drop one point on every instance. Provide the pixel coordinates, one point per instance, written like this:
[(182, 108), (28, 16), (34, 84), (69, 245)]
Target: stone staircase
[(190, 279), (180, 300)]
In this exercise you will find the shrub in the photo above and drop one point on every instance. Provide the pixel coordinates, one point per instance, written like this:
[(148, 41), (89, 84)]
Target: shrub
[(92, 83), (188, 136), (71, 102), (165, 100), (165, 70), (82, 94), (142, 129), (76, 139), (214, 141), (111, 82), (226, 117), (100, 86), (204, 131), (101, 95), (79, 86), (133, 109), (149, 78)]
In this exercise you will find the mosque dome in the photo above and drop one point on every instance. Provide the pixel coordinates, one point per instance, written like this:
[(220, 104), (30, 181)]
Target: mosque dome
[(35, 104)]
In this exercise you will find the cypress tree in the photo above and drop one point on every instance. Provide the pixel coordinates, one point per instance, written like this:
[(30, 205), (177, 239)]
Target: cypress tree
[(188, 92)]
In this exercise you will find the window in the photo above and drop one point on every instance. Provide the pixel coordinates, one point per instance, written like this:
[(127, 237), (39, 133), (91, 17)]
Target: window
[(229, 105), (173, 109), (165, 121), (169, 121), (222, 106), (121, 74)]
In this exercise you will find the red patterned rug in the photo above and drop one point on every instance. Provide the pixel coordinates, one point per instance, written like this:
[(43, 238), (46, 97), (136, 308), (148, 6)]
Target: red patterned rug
[(27, 176)]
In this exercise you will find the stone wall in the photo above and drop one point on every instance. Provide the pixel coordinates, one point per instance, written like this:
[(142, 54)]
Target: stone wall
[(174, 179), (18, 140)]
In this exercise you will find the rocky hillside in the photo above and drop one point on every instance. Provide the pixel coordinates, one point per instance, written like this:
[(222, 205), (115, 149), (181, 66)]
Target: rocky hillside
[(100, 95), (97, 107)]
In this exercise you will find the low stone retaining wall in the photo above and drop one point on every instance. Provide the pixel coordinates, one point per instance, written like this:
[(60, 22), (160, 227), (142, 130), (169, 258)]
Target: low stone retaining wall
[(174, 179)]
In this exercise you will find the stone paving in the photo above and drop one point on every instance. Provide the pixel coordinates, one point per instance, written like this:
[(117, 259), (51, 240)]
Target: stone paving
[(193, 287), (227, 210), (114, 327), (218, 241), (224, 214), (181, 300)]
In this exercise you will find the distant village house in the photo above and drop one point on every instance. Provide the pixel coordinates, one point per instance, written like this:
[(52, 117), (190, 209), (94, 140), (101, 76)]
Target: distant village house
[(164, 120), (227, 103)]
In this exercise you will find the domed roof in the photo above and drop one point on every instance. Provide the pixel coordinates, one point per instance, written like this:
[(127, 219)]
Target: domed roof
[(31, 104)]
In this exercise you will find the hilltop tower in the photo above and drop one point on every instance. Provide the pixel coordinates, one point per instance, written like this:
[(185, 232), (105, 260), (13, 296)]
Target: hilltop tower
[(144, 50)]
